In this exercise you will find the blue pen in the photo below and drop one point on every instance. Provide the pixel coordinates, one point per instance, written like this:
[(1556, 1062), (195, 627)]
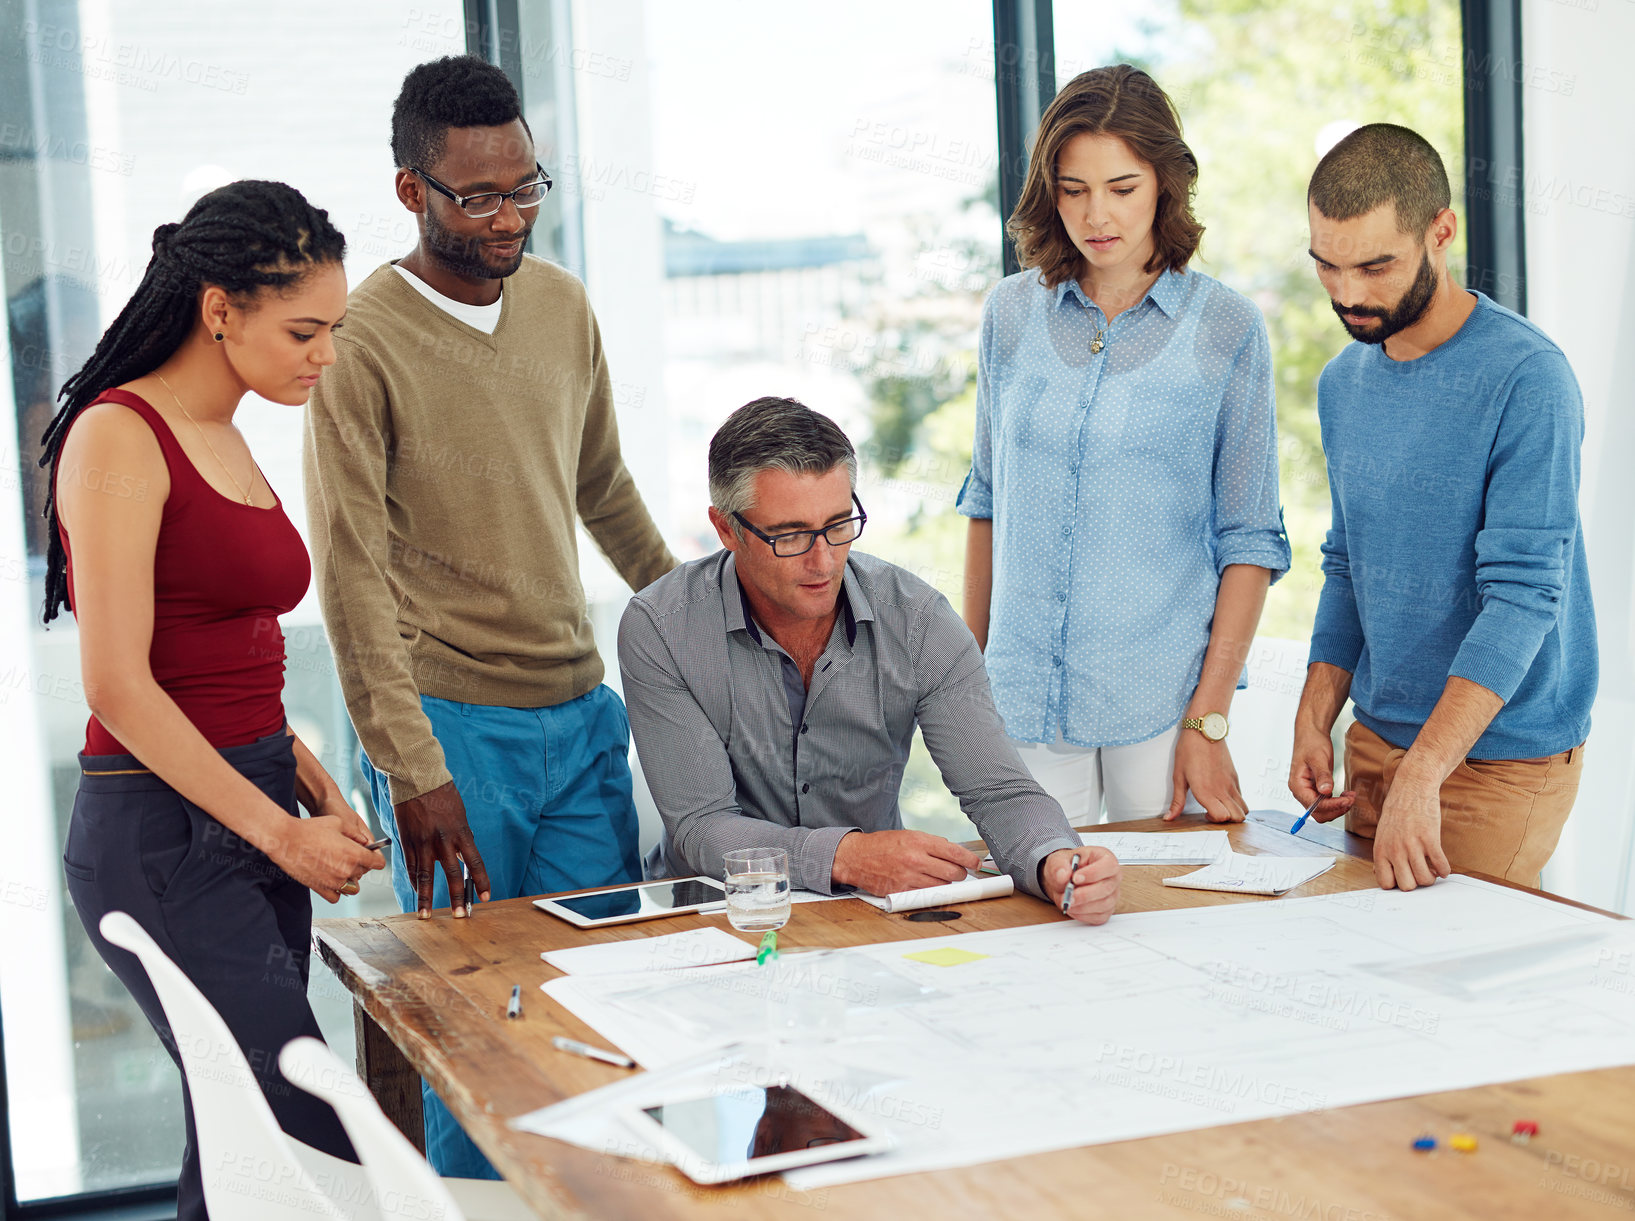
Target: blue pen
[(1301, 821)]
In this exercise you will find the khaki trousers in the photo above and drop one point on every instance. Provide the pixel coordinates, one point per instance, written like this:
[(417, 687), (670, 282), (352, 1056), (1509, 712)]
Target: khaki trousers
[(1501, 817)]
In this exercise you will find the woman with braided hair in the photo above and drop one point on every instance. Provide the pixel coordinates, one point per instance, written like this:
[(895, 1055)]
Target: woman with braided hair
[(176, 559)]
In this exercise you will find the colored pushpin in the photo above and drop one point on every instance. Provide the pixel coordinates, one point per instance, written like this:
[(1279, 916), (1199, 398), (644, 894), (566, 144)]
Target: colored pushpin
[(1425, 1144), (1524, 1131), (1463, 1141)]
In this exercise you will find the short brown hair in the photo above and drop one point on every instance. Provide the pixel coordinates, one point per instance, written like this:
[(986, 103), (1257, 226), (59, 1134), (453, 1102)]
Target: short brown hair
[(1120, 101), (1382, 163), (772, 434)]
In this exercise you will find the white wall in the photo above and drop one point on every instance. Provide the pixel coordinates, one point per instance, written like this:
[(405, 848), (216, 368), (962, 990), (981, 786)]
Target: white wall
[(1579, 132)]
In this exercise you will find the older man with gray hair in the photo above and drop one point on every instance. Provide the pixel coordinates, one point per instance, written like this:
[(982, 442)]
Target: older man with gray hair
[(774, 686)]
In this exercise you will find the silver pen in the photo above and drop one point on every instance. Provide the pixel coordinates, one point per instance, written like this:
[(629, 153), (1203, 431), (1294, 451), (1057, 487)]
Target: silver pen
[(514, 1009), (575, 1048), (1067, 892)]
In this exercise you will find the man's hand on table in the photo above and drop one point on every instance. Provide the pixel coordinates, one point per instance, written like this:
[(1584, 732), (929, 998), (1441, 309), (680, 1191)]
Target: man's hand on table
[(1095, 882), (884, 862), (1311, 776), (432, 830), (1408, 840)]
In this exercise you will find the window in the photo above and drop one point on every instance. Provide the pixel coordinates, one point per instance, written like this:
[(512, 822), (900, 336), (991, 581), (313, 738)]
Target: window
[(1262, 93), (115, 119), (818, 224)]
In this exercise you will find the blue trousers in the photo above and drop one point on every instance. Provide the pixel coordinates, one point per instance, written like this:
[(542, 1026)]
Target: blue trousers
[(547, 796), (238, 926)]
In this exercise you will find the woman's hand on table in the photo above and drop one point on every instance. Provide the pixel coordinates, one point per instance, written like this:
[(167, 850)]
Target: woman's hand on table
[(1206, 768)]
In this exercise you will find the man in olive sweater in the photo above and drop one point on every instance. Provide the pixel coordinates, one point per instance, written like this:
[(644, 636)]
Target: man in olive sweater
[(467, 423)]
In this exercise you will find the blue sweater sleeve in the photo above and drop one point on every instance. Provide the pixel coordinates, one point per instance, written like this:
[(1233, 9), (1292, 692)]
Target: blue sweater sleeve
[(1529, 525), (1336, 634), (976, 496)]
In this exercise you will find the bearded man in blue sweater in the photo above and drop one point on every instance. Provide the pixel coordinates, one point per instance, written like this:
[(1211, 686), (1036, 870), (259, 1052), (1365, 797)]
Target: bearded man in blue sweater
[(1455, 609)]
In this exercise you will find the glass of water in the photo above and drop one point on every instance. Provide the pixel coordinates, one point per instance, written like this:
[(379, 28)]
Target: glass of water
[(757, 889)]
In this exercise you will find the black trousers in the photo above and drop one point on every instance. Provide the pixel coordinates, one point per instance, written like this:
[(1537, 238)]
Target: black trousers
[(236, 924)]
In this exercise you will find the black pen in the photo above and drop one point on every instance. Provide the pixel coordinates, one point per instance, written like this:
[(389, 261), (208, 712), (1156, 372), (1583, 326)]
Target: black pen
[(1067, 893), (471, 889)]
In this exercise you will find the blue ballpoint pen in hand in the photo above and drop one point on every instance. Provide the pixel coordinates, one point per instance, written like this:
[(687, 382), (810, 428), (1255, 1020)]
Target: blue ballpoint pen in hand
[(1067, 892), (1301, 821)]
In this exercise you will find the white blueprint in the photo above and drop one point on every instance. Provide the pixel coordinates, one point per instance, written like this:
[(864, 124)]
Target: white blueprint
[(1060, 1035)]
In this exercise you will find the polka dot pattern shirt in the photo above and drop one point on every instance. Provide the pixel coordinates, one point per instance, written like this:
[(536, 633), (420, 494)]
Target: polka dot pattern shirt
[(1120, 484)]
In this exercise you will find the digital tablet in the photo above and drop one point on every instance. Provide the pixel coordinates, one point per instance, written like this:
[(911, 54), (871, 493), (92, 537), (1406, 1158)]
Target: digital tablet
[(733, 1131), (637, 901)]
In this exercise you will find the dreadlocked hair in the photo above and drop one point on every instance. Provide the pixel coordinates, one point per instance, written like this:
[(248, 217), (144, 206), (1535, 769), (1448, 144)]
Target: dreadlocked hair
[(246, 238)]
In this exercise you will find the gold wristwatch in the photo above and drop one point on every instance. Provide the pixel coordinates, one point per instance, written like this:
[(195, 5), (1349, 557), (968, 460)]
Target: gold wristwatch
[(1212, 725)]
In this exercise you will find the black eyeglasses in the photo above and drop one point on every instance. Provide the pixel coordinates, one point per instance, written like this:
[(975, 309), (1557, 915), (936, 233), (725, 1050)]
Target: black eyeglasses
[(486, 203), (791, 544)]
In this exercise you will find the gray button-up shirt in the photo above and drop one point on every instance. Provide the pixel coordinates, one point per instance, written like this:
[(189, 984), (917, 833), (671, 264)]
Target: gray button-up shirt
[(730, 768)]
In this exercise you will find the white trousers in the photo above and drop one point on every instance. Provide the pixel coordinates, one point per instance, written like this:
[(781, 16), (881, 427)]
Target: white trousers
[(1135, 781)]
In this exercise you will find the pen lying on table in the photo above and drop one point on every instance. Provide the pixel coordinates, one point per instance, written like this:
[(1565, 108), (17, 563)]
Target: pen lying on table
[(575, 1048)]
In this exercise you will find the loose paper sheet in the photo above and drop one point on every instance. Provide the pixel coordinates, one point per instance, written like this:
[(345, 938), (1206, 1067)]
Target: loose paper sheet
[(699, 947), (1160, 847), (1254, 875), (1151, 847)]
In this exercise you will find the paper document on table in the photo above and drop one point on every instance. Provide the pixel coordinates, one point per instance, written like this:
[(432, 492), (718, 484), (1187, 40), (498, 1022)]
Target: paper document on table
[(1448, 987), (968, 891), (797, 895), (1254, 875), (699, 947), (1151, 847), (1160, 847)]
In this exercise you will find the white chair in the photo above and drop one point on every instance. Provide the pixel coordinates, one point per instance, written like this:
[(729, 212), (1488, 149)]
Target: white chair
[(405, 1186), (252, 1169)]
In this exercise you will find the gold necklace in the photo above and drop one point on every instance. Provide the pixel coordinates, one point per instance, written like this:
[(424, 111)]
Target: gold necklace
[(1095, 341), (206, 441)]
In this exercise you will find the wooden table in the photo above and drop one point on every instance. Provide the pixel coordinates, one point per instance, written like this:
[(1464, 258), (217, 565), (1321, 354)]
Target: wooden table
[(431, 997)]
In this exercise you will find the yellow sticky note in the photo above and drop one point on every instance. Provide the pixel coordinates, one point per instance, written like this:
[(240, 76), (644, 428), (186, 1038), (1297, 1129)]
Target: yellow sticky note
[(948, 956)]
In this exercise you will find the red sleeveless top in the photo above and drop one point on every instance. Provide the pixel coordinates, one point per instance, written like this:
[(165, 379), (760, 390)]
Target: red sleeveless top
[(223, 572)]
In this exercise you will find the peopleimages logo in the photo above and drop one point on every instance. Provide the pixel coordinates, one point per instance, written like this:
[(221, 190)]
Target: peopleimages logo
[(124, 63)]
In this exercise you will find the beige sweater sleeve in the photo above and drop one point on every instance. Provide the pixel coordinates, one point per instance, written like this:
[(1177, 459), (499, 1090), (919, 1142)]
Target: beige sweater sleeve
[(345, 460), (607, 500)]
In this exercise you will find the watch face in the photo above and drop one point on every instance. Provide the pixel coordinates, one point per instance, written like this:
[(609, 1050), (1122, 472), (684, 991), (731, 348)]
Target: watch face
[(1214, 727)]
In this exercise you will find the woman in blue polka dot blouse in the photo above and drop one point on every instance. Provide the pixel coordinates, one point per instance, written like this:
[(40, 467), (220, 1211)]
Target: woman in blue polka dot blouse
[(1123, 495)]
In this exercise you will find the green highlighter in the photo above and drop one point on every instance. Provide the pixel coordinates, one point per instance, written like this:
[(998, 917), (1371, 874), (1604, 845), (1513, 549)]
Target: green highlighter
[(769, 948)]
